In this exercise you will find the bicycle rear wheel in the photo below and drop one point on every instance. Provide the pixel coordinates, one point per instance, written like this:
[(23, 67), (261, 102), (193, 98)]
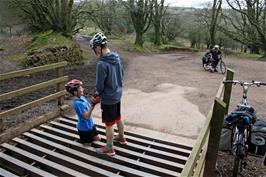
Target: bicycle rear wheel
[(236, 166), (222, 67)]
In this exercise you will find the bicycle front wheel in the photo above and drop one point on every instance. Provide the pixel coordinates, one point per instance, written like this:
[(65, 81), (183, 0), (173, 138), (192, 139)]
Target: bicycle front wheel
[(222, 67), (205, 65)]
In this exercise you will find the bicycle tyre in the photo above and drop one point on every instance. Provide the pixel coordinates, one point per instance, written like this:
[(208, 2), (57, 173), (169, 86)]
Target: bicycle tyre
[(236, 166), (222, 67), (205, 65)]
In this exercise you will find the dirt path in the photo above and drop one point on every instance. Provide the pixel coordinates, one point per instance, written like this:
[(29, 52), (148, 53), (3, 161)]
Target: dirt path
[(171, 93)]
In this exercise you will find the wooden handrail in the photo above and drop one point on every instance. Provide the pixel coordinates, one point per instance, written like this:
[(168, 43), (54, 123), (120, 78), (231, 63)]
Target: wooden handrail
[(25, 72), (31, 104), (193, 157), (216, 125), (32, 88), (218, 109)]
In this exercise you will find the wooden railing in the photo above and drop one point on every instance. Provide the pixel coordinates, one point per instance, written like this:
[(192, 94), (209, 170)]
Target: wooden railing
[(202, 160), (59, 95)]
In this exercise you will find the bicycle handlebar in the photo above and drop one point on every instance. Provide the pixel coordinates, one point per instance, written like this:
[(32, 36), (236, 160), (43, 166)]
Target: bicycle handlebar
[(243, 83)]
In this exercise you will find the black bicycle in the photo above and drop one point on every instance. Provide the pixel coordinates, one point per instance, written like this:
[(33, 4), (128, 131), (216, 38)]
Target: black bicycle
[(241, 121), (207, 63)]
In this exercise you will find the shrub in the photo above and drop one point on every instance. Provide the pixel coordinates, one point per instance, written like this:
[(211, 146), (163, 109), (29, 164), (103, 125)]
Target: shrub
[(49, 47)]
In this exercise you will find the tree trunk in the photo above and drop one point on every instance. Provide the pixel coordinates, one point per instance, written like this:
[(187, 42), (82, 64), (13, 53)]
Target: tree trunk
[(216, 8), (141, 16), (139, 40), (264, 55), (10, 30), (254, 49), (264, 51), (157, 40), (245, 49)]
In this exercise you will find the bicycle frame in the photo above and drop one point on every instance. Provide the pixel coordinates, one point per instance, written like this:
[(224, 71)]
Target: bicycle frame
[(207, 63), (242, 126)]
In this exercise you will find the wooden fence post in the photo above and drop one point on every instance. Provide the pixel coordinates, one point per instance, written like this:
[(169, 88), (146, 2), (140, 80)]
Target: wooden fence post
[(228, 89), (1, 125), (60, 86), (214, 137)]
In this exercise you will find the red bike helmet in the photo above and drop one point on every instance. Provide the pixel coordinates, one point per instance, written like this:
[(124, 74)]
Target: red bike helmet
[(73, 85)]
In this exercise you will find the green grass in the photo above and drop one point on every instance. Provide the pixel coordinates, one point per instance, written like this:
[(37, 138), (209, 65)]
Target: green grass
[(127, 41), (49, 39), (17, 57), (88, 55), (248, 55)]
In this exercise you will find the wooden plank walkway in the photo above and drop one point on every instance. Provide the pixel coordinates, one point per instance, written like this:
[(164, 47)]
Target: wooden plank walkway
[(53, 149)]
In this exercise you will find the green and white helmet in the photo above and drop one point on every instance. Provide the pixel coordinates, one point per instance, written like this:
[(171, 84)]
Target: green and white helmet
[(98, 39)]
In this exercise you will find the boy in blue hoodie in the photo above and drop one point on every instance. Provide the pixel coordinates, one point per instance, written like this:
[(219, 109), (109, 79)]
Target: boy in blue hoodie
[(109, 83), (86, 128)]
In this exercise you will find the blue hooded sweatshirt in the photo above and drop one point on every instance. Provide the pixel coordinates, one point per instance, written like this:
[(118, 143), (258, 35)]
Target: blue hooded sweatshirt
[(109, 78)]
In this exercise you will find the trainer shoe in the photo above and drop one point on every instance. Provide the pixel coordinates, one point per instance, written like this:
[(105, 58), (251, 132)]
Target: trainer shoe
[(105, 150), (120, 140)]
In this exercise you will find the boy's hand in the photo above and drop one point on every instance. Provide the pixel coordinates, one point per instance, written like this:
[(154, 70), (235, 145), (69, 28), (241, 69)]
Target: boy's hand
[(95, 100)]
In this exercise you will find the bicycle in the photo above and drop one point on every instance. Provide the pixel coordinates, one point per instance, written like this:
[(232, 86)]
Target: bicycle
[(207, 63), (241, 120)]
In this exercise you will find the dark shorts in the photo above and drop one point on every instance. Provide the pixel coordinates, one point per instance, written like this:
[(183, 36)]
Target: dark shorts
[(110, 113), (87, 136)]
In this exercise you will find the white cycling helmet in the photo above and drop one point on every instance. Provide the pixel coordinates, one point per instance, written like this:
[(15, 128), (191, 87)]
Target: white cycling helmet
[(98, 39), (216, 47)]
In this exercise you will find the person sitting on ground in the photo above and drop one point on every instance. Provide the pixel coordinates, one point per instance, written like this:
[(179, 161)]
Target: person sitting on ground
[(86, 128), (216, 56)]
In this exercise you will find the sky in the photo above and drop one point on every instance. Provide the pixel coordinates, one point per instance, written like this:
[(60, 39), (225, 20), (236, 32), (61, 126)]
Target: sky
[(187, 3)]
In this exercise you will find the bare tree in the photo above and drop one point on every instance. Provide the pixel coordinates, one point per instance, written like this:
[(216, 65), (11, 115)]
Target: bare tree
[(216, 10), (9, 17), (248, 25), (171, 27), (103, 13), (158, 14), (56, 15), (141, 16)]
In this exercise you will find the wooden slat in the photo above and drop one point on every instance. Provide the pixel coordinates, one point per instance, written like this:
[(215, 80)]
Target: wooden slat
[(27, 167), (31, 104), (151, 139), (4, 172), (154, 144), (32, 88), (102, 163), (148, 139), (64, 171), (25, 72), (158, 153), (139, 165), (154, 160), (88, 167)]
